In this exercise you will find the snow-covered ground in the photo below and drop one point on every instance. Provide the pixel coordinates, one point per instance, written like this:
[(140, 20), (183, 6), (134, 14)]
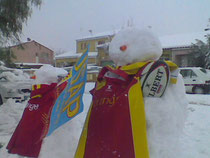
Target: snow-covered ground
[(62, 143), (196, 138)]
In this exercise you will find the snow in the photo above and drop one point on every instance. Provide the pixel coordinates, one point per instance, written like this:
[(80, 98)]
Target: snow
[(165, 119), (2, 63), (48, 74), (14, 75), (62, 143), (25, 64), (99, 35), (4, 68), (75, 55), (140, 45), (200, 100), (182, 40), (195, 140)]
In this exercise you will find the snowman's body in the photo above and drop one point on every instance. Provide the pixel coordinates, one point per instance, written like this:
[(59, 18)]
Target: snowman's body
[(165, 121)]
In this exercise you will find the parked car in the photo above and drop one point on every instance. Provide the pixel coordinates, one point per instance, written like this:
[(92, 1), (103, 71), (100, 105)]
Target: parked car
[(30, 72), (196, 80), (13, 84)]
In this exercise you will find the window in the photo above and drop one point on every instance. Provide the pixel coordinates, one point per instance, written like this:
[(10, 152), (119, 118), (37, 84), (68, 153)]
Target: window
[(188, 73), (83, 46), (101, 42), (193, 74), (3, 79), (204, 71)]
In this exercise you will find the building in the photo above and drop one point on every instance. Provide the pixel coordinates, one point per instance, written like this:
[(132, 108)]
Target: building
[(97, 55), (32, 52), (98, 43), (69, 59), (176, 48)]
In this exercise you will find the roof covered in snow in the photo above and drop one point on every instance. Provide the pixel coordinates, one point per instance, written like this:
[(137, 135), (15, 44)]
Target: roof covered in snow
[(167, 41), (31, 64), (75, 55), (182, 40), (31, 41), (98, 35)]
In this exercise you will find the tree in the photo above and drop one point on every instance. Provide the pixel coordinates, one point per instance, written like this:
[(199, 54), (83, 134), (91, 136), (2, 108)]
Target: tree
[(59, 51), (7, 56), (200, 55), (13, 14)]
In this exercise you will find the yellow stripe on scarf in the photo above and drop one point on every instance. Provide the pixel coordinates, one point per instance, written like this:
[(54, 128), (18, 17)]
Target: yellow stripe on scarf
[(132, 68), (174, 72), (83, 138), (37, 96), (138, 121)]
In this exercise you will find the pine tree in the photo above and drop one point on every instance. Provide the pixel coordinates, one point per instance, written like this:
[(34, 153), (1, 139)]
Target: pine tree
[(200, 56), (207, 56)]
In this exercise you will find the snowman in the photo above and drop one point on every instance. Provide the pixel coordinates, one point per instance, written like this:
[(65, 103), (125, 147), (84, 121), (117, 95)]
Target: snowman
[(139, 106), (31, 130)]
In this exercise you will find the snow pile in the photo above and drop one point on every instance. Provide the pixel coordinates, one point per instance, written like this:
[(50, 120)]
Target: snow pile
[(195, 141), (2, 63), (63, 142), (133, 45), (165, 121), (48, 74), (202, 100), (2, 67), (14, 76), (10, 115)]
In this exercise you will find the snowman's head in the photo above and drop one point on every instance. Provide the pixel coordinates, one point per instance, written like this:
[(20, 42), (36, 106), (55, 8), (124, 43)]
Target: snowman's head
[(134, 45), (46, 75)]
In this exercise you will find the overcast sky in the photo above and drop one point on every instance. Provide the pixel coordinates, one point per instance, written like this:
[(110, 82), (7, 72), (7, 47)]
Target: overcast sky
[(58, 23)]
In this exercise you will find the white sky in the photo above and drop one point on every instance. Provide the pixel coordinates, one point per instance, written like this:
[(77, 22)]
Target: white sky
[(59, 23)]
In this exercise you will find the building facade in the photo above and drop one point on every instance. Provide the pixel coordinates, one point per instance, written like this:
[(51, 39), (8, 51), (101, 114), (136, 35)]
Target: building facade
[(68, 59), (32, 52), (179, 55), (98, 43), (176, 48)]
